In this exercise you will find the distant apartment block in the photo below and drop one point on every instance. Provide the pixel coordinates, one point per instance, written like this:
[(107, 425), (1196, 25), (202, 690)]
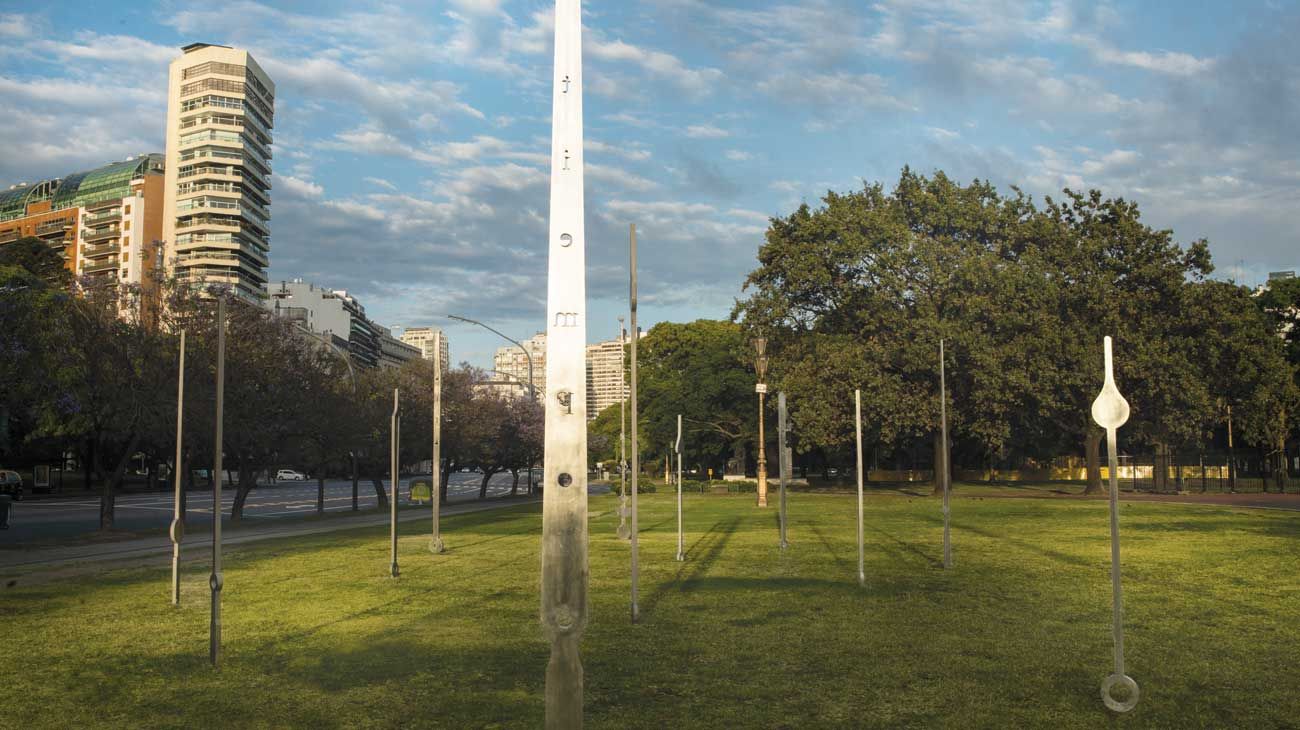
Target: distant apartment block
[(606, 384), (331, 314), (512, 364), (393, 352), (220, 111), (105, 223), (424, 338)]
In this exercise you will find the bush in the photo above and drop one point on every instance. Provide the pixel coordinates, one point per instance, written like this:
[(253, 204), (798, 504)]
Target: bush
[(745, 487)]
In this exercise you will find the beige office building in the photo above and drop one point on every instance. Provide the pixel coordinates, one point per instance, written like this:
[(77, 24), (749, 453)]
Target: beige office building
[(423, 338), (220, 111)]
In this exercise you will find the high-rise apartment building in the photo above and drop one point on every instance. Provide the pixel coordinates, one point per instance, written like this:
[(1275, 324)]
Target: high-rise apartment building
[(220, 111), (334, 315), (106, 223), (512, 363), (423, 338), (606, 384)]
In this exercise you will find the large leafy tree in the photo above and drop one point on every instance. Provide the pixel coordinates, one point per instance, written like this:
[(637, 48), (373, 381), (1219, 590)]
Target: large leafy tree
[(702, 370)]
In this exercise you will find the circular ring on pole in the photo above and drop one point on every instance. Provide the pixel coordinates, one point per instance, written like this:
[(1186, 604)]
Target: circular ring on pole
[(1121, 680), (177, 531), (565, 480)]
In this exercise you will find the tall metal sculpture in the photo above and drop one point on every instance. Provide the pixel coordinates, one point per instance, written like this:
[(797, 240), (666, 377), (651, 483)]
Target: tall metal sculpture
[(760, 369), (215, 580), (946, 466), (435, 470), (395, 435), (857, 417), (624, 532), (564, 505), (636, 449), (178, 516), (787, 471), (681, 536), (1111, 411)]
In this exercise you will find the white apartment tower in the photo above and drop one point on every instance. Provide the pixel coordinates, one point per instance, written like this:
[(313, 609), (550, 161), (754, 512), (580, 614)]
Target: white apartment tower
[(220, 110), (424, 338)]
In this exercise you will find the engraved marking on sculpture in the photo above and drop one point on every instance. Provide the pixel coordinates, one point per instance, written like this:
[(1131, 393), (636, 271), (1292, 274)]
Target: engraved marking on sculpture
[(566, 82), (566, 240), (566, 160), (566, 319), (566, 399)]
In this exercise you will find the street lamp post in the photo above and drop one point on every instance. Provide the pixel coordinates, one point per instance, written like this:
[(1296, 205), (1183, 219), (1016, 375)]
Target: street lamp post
[(760, 367), (532, 389)]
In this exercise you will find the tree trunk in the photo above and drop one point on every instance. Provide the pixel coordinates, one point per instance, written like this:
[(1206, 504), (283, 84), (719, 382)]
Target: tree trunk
[(353, 457), (483, 485), (380, 494), (938, 463), (87, 456), (514, 486), (1160, 473), (106, 497), (247, 480), (444, 474), (1092, 459), (320, 493), (1178, 473)]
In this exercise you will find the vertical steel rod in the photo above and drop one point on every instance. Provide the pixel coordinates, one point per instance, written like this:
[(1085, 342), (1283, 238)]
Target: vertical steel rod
[(623, 531), (215, 581), (785, 467), (178, 522), (392, 493), (435, 470), (635, 332), (681, 536), (857, 417), (947, 480)]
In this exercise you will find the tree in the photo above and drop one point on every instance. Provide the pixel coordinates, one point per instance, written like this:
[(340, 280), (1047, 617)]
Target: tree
[(39, 258), (702, 370)]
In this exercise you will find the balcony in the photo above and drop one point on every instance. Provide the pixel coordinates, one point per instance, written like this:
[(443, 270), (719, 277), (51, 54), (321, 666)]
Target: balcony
[(96, 251), (9, 236), (102, 204), (95, 220), (104, 235), (104, 265), (54, 226)]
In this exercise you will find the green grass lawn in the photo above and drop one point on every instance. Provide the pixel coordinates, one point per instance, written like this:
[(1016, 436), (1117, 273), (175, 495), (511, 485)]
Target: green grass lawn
[(740, 635)]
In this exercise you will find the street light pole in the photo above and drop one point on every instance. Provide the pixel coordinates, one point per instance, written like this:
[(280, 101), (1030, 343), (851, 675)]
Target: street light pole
[(760, 367)]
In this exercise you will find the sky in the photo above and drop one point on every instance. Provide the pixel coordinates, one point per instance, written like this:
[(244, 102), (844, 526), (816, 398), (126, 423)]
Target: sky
[(412, 139)]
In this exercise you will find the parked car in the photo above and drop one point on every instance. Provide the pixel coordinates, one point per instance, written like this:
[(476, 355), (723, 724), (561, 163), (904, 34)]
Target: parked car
[(12, 484), (289, 475)]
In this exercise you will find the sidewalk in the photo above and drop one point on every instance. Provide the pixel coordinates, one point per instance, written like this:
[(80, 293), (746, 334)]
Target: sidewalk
[(14, 564)]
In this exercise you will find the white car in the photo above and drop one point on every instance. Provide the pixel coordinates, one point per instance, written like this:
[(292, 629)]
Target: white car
[(289, 475)]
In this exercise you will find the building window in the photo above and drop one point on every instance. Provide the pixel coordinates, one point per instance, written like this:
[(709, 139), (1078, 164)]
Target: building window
[(127, 210), (126, 225)]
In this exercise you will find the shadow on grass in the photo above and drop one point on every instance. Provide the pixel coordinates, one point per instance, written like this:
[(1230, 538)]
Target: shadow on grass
[(909, 547), (700, 557), (1023, 545)]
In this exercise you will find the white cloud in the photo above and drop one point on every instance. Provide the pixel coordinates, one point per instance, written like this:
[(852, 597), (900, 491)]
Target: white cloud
[(297, 187), (706, 131), (738, 155), (380, 182)]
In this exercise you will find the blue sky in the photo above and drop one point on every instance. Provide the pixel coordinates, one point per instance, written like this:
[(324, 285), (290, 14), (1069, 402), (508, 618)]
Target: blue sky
[(412, 138)]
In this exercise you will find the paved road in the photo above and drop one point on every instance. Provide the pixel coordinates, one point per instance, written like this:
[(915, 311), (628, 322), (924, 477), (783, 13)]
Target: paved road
[(44, 520)]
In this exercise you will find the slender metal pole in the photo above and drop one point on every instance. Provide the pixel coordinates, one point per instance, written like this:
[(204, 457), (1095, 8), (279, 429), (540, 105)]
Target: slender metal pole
[(681, 536), (623, 531), (215, 580), (435, 467), (393, 492), (762, 454), (947, 481), (636, 450), (178, 523), (784, 459), (564, 602), (857, 417)]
